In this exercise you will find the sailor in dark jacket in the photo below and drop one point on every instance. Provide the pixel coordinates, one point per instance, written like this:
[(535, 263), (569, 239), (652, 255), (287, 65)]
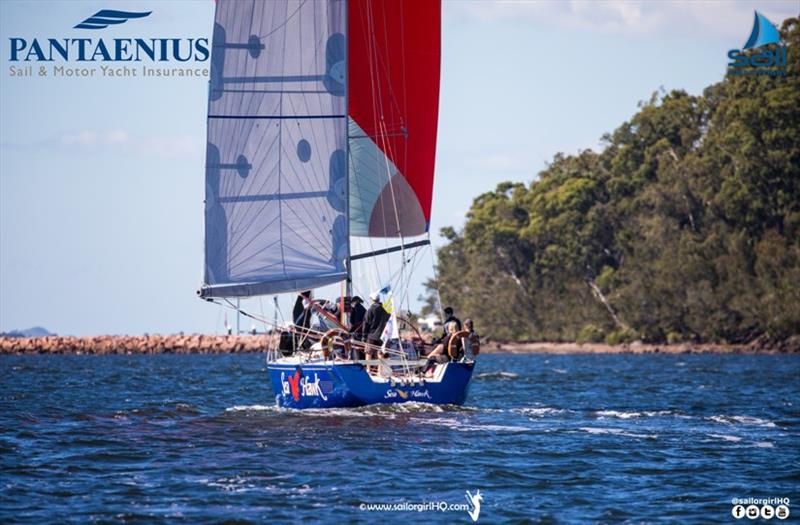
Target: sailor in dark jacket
[(357, 313), (374, 321), (301, 313), (301, 317)]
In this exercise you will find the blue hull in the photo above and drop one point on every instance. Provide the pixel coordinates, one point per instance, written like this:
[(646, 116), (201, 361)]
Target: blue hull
[(313, 385)]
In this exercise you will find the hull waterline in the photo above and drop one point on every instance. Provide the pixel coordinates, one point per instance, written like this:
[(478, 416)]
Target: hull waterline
[(332, 385)]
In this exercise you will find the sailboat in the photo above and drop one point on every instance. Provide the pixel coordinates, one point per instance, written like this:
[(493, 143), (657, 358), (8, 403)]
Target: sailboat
[(322, 124)]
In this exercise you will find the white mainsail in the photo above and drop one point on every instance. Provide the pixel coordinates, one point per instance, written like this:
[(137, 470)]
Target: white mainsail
[(276, 158)]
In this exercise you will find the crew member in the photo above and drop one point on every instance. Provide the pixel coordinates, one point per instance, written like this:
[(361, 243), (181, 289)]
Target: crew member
[(374, 322), (357, 313)]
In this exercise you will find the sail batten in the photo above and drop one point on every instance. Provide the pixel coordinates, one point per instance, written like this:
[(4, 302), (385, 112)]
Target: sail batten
[(276, 162)]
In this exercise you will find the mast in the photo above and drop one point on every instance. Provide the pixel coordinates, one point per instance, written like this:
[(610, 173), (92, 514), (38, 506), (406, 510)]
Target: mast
[(349, 262)]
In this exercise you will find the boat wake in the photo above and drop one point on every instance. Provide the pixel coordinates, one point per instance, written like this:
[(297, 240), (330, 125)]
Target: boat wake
[(742, 420), (463, 426), (501, 376), (377, 410), (617, 432), (619, 414)]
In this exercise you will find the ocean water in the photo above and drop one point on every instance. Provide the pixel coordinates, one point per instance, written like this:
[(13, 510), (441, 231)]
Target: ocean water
[(544, 438)]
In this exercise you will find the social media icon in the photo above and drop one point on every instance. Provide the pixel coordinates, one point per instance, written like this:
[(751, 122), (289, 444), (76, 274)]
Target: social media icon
[(767, 511), (752, 511), (738, 511), (782, 512)]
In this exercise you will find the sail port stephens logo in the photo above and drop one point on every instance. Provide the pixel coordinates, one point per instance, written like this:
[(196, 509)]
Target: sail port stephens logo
[(56, 56), (771, 62)]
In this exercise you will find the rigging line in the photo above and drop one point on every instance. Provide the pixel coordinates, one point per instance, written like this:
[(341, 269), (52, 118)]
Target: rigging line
[(315, 67), (232, 267), (304, 175), (261, 310), (239, 131), (413, 260), (317, 143), (285, 22), (308, 206), (403, 70), (436, 280), (369, 47), (245, 211), (396, 214), (307, 175), (324, 256), (384, 63), (382, 127), (241, 65), (379, 117), (242, 209), (280, 155)]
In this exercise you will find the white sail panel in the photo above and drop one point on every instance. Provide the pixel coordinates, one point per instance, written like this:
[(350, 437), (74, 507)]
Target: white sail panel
[(276, 166), (382, 203)]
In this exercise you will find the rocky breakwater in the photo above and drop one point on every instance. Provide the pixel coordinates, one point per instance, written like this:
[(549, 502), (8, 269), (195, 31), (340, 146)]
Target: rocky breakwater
[(136, 344)]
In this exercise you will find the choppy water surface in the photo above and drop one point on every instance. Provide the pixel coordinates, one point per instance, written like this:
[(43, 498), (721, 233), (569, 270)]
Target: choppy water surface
[(603, 438)]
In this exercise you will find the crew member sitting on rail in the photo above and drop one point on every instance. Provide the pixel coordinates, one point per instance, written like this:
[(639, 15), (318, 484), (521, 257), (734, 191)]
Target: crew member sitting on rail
[(449, 317), (472, 341), (440, 352)]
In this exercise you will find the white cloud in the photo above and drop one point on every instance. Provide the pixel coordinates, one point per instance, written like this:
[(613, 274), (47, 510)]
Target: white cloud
[(92, 139), (724, 19), (117, 136), (117, 141), (493, 162), (84, 139), (174, 146)]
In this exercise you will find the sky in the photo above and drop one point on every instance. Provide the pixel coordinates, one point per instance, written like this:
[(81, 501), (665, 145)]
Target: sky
[(101, 179)]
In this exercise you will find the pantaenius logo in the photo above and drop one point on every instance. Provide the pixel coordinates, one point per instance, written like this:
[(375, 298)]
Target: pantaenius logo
[(770, 62), (108, 50), (106, 17)]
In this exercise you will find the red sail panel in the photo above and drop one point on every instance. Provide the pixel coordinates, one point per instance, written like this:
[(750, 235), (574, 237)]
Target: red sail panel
[(394, 59)]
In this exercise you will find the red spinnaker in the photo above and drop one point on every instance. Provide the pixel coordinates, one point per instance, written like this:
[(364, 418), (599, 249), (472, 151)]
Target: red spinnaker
[(394, 55)]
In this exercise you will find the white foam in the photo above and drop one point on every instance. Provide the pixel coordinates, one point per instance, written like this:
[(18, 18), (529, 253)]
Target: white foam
[(497, 375), (617, 432), (378, 410), (742, 420), (725, 437), (252, 408), (469, 427), (618, 414), (538, 411), (621, 414)]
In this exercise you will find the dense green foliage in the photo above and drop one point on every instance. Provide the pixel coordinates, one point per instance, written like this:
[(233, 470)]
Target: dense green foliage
[(685, 227)]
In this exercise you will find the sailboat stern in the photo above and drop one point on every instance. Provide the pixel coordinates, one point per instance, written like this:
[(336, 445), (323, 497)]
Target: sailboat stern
[(310, 386)]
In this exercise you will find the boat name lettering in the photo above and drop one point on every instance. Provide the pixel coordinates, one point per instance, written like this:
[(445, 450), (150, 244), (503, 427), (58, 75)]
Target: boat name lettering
[(303, 387)]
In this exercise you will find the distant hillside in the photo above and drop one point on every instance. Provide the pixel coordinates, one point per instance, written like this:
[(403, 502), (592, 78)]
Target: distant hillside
[(685, 227), (36, 331)]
